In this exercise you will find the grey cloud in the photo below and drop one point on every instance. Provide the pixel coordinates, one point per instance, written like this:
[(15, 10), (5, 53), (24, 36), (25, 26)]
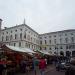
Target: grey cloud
[(47, 15)]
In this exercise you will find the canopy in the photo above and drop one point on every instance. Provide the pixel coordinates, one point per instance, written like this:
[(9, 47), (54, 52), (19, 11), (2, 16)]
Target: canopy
[(44, 52), (19, 49)]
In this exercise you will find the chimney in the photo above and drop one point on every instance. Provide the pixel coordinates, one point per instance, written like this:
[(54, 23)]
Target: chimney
[(0, 23)]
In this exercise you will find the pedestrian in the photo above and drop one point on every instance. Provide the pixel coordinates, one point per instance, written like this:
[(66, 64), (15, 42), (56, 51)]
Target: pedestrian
[(1, 68), (23, 66), (42, 66), (71, 69), (2, 65)]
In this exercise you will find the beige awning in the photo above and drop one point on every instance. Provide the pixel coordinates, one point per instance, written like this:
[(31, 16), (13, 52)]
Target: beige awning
[(19, 49), (44, 52)]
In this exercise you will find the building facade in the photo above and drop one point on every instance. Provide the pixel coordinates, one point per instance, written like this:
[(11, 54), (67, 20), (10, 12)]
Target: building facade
[(20, 36), (60, 42)]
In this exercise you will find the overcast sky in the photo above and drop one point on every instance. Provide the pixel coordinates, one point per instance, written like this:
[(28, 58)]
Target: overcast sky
[(41, 15)]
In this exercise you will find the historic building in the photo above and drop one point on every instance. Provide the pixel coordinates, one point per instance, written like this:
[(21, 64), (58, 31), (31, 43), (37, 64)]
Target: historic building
[(60, 42), (20, 35)]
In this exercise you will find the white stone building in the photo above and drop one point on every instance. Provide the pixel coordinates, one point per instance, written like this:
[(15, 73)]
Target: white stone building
[(58, 42), (22, 35)]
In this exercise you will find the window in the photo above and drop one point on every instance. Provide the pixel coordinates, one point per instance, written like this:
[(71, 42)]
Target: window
[(72, 39), (40, 37), (66, 40), (65, 34), (29, 45), (14, 44), (60, 40), (19, 44), (50, 41), (15, 36), (2, 38), (31, 38), (45, 48), (40, 42), (61, 47), (11, 37), (45, 37), (60, 35), (21, 36), (25, 29), (7, 32), (66, 47), (28, 38), (71, 33), (50, 48), (54, 35), (11, 31), (49, 36), (34, 39), (7, 38), (15, 30), (3, 33), (56, 47), (26, 44), (55, 41), (21, 29), (32, 46), (71, 46), (45, 42), (25, 35)]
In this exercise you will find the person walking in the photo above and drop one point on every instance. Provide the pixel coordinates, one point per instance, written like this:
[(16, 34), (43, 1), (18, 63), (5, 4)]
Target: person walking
[(42, 66), (23, 66)]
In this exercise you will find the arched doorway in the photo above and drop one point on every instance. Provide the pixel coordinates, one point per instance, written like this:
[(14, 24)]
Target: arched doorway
[(62, 53), (73, 53), (55, 53), (68, 53)]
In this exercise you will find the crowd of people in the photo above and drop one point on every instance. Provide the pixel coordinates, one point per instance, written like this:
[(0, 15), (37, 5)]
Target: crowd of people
[(12, 64), (32, 64)]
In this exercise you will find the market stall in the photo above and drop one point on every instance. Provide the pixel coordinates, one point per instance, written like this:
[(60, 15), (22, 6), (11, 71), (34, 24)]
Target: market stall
[(15, 55)]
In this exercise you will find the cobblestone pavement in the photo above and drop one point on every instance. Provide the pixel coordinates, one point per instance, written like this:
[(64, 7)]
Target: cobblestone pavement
[(54, 72), (50, 70)]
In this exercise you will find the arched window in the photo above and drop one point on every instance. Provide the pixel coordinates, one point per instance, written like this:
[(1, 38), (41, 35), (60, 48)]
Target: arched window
[(7, 38), (11, 37), (25, 35), (72, 39), (2, 38), (19, 44), (15, 36), (66, 40), (21, 36)]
